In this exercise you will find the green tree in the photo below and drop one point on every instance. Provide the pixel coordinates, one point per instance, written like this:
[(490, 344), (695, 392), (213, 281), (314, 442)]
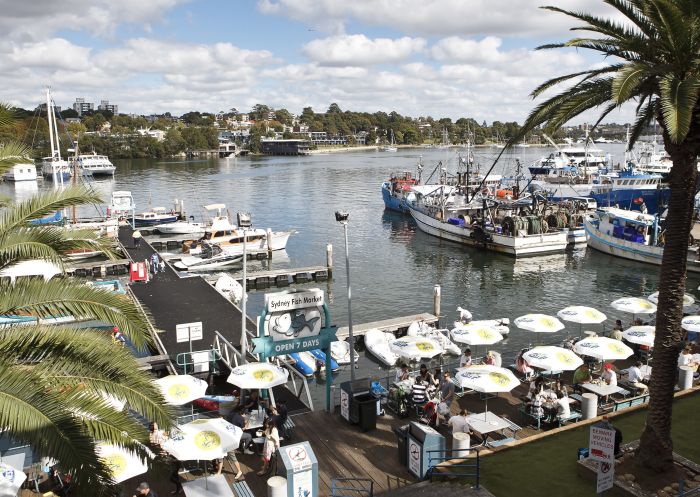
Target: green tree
[(283, 116), (655, 62)]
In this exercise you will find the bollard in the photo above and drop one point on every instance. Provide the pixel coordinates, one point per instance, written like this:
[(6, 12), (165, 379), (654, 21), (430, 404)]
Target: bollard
[(269, 242), (277, 486), (436, 302), (329, 259), (685, 377), (460, 444), (589, 405)]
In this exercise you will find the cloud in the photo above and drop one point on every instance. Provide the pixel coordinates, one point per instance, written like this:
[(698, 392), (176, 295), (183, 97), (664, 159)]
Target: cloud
[(358, 50)]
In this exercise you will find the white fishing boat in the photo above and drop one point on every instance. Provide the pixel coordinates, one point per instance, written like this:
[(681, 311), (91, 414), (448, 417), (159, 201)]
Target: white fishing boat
[(423, 329), (377, 343), (23, 171), (632, 235), (212, 258), (54, 167), (221, 232), (340, 351), (180, 228), (93, 164), (229, 287), (450, 213)]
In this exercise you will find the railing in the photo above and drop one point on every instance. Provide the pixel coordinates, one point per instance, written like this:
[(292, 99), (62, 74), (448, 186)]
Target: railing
[(226, 350), (694, 492), (196, 358), (352, 487), (453, 464), (303, 385)]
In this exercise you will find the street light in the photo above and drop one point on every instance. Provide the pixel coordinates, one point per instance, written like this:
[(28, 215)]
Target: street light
[(244, 222), (342, 218)]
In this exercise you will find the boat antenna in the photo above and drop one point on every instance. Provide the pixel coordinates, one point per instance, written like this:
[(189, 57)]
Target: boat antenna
[(508, 146)]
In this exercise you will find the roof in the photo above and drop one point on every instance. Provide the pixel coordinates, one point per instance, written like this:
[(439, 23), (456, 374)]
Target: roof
[(633, 216)]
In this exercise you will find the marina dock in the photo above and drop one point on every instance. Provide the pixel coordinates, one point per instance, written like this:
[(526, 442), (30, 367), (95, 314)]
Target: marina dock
[(393, 325)]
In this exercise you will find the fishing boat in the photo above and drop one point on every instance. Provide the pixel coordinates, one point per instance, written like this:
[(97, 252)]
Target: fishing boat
[(23, 171), (211, 258), (229, 288), (180, 228), (92, 164), (340, 351), (54, 167), (396, 192), (377, 343), (229, 237), (156, 216), (480, 221), (423, 329), (632, 235)]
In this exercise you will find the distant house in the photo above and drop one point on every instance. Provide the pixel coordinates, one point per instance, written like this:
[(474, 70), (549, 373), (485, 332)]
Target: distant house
[(285, 147), (158, 134)]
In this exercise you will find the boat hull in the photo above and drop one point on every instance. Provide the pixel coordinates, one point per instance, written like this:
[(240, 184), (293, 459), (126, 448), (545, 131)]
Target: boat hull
[(632, 251), (519, 246), (392, 202), (141, 222), (179, 228), (654, 199)]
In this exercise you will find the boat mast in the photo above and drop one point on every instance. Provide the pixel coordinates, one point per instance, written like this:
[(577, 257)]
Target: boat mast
[(50, 122)]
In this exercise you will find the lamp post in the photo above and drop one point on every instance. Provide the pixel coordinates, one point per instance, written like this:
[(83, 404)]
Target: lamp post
[(244, 223), (342, 218)]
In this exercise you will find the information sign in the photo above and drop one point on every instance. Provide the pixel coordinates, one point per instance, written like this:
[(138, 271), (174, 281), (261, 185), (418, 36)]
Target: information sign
[(601, 444), (414, 455), (606, 476), (186, 332)]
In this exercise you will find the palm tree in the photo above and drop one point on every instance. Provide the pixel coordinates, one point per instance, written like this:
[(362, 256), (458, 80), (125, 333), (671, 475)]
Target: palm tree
[(58, 383), (654, 59)]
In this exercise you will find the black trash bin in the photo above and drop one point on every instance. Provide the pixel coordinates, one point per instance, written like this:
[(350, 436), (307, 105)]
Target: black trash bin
[(367, 407), (402, 440)]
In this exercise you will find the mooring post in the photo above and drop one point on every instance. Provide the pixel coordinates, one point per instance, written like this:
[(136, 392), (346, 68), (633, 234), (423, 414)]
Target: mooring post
[(329, 260), (269, 243), (436, 302)]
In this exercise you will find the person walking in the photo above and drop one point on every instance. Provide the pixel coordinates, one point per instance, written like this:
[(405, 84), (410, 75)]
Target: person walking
[(136, 237), (155, 263)]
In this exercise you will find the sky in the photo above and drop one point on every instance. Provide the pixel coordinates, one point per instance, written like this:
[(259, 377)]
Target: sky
[(440, 58)]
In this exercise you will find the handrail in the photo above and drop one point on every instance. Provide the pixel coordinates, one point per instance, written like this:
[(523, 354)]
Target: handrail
[(227, 349), (363, 490), (304, 387), (444, 463), (212, 357)]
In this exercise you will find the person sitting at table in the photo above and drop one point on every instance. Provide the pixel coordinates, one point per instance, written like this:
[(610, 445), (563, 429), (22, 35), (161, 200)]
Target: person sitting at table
[(536, 388), (636, 378), (236, 418), (466, 358), (490, 359), (609, 375), (459, 422), (560, 387), (616, 333), (522, 366), (402, 374), (425, 375), (563, 408), (419, 392), (253, 401), (582, 375), (685, 358)]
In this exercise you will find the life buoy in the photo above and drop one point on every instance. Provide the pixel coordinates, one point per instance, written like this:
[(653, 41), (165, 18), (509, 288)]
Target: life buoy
[(507, 194)]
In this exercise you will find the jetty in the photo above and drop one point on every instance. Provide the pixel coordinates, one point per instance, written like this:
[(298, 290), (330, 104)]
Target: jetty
[(394, 325)]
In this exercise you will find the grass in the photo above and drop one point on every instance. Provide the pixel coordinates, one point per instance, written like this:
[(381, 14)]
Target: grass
[(548, 466)]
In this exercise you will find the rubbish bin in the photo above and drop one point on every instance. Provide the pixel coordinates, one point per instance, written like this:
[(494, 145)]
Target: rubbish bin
[(401, 439), (367, 407)]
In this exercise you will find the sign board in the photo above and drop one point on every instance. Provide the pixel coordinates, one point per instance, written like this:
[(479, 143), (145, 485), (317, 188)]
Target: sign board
[(345, 405), (414, 456), (606, 477), (299, 457), (601, 444), (269, 347), (297, 323), (303, 484), (188, 331), (287, 301)]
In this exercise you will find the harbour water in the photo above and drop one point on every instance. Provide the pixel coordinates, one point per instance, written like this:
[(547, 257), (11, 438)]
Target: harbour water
[(394, 266)]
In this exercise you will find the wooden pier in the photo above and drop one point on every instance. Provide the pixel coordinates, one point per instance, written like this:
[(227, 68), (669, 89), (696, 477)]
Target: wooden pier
[(99, 268), (393, 325), (283, 277)]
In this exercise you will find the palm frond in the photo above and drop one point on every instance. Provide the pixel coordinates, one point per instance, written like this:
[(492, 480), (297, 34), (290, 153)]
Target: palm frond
[(633, 11), (11, 153), (644, 118), (588, 74), (600, 25), (678, 99), (627, 80), (7, 115), (59, 297), (45, 204), (673, 25)]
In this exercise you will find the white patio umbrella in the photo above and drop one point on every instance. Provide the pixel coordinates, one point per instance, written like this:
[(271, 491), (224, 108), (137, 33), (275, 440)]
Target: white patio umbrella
[(179, 389), (122, 463), (203, 440), (691, 323), (415, 347), (582, 315), (486, 379), (476, 334), (603, 348), (688, 300), (643, 335), (552, 358), (258, 375), (11, 480), (634, 305), (539, 323)]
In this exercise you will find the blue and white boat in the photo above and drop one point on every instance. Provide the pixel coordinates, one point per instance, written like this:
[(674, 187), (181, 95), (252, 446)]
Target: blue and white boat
[(321, 356), (631, 235), (155, 216), (396, 192), (306, 362)]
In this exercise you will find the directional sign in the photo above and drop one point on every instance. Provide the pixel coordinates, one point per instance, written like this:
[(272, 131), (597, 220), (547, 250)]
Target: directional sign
[(269, 347)]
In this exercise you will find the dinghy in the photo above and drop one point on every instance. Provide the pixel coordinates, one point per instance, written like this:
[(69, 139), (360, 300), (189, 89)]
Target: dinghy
[(377, 343), (340, 351), (229, 288), (465, 317), (423, 329), (321, 356)]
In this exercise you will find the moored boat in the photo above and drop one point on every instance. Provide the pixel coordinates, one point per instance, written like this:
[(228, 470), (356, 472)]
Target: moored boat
[(396, 192), (340, 351), (212, 258), (423, 329), (229, 288), (180, 228), (23, 171), (93, 164), (377, 343), (157, 215)]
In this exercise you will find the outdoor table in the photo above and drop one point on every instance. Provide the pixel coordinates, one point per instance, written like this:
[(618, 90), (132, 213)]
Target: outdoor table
[(602, 390), (486, 423), (255, 420)]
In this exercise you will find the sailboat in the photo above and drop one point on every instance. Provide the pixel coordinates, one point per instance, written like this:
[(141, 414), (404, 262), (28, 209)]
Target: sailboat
[(392, 146), (53, 167)]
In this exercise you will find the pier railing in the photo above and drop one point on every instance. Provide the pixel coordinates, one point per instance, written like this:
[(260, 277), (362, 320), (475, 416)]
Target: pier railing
[(454, 464), (352, 487)]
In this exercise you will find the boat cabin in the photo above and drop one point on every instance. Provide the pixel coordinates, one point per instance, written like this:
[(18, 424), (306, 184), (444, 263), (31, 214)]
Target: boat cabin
[(627, 225)]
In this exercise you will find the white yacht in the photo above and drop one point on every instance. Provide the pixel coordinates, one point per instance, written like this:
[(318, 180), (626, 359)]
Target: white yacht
[(230, 237), (24, 171), (93, 164), (54, 167), (211, 258)]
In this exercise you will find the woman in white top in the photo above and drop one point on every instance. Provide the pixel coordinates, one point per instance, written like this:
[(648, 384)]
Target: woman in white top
[(272, 443), (563, 408), (686, 359), (466, 358)]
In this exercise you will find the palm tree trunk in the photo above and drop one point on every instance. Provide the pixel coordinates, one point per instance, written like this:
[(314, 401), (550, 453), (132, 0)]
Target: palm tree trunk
[(655, 450)]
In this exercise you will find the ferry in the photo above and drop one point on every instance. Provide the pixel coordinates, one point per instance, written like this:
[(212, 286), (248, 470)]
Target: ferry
[(631, 235), (93, 164)]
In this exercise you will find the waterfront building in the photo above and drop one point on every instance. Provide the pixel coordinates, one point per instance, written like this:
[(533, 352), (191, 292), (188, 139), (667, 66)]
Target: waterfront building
[(285, 147), (81, 106)]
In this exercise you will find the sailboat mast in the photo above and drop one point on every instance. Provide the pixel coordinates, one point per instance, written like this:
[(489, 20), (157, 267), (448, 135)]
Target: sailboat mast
[(48, 117)]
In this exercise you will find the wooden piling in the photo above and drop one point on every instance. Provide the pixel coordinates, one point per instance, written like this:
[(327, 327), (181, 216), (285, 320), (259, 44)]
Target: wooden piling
[(329, 259), (436, 301), (269, 243)]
